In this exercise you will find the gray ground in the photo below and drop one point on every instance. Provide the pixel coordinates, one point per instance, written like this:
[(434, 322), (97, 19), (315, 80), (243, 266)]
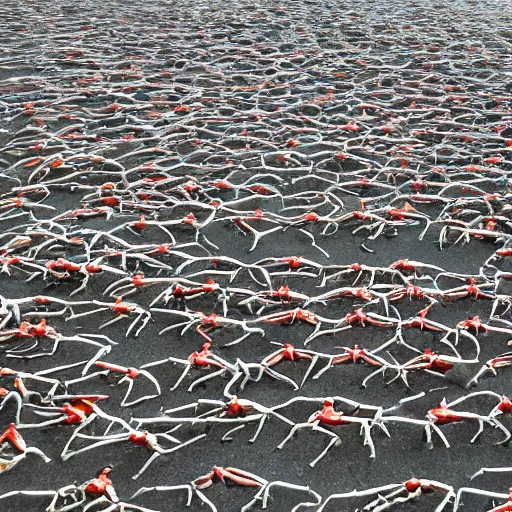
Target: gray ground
[(285, 60)]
